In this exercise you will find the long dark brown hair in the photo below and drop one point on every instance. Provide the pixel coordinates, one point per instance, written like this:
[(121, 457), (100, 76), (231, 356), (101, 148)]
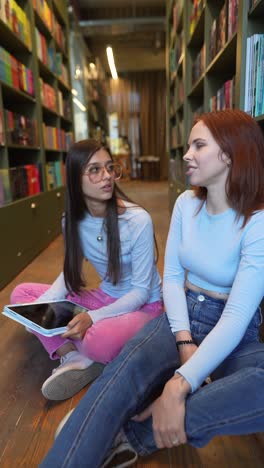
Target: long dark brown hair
[(241, 139), (77, 159)]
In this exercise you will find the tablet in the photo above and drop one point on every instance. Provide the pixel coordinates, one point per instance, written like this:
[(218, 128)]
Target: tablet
[(47, 318)]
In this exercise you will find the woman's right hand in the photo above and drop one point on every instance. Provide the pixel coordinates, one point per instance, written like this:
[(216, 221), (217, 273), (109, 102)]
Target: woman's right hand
[(78, 326)]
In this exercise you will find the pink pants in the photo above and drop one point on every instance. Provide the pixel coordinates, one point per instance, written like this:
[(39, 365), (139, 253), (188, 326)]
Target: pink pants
[(104, 340)]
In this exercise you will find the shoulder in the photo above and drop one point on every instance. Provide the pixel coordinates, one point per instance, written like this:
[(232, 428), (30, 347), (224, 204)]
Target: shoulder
[(255, 226), (135, 214), (187, 201)]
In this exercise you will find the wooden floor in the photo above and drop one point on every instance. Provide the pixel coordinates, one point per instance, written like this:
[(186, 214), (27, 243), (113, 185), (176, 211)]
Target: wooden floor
[(28, 421)]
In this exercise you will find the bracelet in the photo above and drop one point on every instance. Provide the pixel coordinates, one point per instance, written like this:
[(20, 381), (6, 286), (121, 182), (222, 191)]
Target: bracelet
[(184, 342)]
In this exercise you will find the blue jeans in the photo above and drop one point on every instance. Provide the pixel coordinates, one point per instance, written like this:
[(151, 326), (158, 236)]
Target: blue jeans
[(233, 404)]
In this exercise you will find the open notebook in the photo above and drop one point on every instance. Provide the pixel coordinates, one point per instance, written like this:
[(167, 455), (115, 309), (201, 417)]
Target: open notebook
[(47, 318)]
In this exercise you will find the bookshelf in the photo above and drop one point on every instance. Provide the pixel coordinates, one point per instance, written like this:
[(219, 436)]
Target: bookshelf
[(35, 127), (211, 64)]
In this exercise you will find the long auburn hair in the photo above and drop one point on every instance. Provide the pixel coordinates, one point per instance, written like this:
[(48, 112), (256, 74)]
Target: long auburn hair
[(241, 139), (78, 157)]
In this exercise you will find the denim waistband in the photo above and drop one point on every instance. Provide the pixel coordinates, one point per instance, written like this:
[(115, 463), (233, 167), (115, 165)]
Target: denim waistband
[(195, 295)]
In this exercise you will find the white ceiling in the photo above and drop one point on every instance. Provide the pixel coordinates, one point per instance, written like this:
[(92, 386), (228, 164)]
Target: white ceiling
[(137, 37)]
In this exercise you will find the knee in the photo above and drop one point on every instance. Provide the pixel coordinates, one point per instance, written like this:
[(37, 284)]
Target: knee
[(100, 347), (18, 293)]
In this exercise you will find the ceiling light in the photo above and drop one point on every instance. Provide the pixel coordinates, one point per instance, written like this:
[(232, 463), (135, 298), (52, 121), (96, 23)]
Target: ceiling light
[(79, 104), (111, 62)]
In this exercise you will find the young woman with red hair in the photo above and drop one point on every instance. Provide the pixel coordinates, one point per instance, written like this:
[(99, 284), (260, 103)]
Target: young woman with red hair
[(213, 286)]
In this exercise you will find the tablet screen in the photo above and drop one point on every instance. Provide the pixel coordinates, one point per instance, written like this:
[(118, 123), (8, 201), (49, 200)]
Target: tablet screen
[(48, 315)]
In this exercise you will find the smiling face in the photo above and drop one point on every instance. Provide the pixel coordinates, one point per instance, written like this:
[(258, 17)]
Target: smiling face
[(102, 190), (207, 165)]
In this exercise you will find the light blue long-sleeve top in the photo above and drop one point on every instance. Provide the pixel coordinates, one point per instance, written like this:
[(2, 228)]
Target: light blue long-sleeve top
[(139, 280), (218, 255)]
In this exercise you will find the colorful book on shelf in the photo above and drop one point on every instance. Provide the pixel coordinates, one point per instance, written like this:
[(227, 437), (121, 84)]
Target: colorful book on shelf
[(222, 27), (18, 182), (5, 192), (50, 176), (234, 15), (258, 109), (33, 181), (2, 133)]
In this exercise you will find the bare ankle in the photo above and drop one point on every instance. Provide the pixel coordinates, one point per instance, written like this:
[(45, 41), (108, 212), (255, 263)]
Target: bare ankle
[(65, 349)]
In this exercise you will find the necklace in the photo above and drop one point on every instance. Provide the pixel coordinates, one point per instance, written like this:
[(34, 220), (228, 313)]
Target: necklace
[(100, 237)]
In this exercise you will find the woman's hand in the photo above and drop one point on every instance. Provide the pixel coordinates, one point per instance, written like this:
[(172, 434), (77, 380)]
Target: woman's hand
[(168, 413), (78, 326)]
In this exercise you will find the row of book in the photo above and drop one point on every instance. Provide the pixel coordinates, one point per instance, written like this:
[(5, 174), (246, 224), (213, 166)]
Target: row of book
[(254, 82), (48, 17), (55, 174), (15, 18), (15, 73), (54, 100), (56, 139), (198, 65), (19, 182), (24, 181), (52, 59), (223, 27), (224, 98), (197, 9), (47, 95), (21, 130)]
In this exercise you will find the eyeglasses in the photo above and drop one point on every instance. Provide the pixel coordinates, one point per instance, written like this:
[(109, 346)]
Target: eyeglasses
[(95, 171)]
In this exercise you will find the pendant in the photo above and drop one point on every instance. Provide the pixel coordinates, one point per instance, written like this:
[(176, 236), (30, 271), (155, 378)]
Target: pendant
[(99, 238)]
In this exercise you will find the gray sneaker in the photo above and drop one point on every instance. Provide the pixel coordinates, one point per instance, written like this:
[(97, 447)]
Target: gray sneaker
[(74, 372), (122, 453)]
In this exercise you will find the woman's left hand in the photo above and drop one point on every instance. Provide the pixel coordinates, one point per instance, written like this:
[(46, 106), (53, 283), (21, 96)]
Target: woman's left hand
[(78, 326), (168, 413)]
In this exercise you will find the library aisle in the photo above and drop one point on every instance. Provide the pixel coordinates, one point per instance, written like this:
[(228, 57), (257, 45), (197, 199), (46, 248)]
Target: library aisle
[(28, 422)]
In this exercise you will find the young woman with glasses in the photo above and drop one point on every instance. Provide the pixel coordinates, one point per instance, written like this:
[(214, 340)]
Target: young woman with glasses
[(103, 226)]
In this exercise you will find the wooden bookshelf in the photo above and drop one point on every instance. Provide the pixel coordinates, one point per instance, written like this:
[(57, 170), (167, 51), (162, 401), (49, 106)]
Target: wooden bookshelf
[(35, 127), (222, 29)]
